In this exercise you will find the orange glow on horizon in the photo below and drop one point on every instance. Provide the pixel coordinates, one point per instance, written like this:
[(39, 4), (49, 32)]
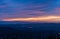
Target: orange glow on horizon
[(36, 19)]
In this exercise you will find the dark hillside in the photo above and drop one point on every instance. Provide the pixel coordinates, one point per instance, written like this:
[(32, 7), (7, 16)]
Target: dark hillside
[(10, 33), (30, 31)]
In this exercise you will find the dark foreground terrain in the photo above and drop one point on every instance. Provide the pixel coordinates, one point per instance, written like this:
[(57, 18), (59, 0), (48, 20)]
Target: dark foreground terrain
[(30, 31)]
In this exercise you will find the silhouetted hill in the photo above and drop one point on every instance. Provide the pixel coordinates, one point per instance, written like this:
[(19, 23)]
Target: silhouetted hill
[(13, 22), (30, 31), (11, 33)]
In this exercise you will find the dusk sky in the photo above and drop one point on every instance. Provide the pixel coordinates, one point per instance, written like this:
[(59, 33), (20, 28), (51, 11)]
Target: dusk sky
[(30, 10)]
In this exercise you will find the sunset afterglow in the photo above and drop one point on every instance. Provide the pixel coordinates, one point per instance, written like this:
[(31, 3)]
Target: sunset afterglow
[(36, 19)]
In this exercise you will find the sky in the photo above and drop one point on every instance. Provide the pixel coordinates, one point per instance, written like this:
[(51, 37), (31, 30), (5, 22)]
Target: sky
[(30, 10)]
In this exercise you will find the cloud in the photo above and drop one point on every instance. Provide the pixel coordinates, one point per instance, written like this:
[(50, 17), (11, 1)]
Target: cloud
[(55, 11), (28, 8)]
